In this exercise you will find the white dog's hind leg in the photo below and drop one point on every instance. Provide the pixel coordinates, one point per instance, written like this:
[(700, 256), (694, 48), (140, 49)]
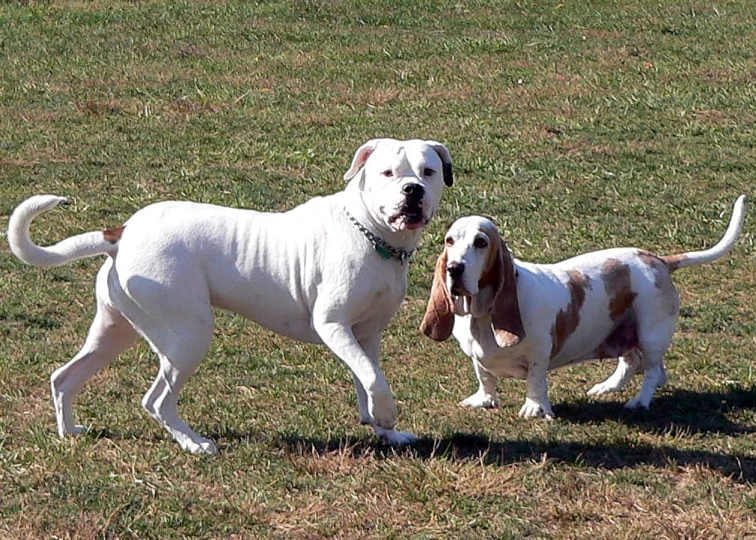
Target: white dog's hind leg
[(627, 367), (180, 350), (110, 335), (485, 397), (177, 322)]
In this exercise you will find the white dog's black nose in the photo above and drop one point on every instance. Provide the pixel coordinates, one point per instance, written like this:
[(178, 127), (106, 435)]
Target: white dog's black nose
[(455, 269), (414, 191)]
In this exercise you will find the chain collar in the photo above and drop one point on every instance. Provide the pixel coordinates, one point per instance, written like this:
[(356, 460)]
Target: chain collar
[(384, 249)]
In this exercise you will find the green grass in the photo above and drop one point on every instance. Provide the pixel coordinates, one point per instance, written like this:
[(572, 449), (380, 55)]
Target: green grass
[(574, 125)]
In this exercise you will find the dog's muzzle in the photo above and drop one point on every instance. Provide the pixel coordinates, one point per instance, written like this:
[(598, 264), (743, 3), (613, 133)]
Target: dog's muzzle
[(455, 270), (411, 215)]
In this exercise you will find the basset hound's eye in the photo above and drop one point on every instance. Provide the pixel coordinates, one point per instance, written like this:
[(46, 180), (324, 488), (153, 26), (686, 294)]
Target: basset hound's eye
[(480, 242), (388, 173), (449, 241), (428, 171)]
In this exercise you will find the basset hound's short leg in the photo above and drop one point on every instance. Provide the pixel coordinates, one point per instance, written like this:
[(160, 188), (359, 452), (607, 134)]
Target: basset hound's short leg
[(537, 402), (485, 397), (627, 366)]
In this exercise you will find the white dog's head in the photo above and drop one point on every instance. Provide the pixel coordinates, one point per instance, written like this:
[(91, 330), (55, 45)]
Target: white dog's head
[(475, 261), (402, 181)]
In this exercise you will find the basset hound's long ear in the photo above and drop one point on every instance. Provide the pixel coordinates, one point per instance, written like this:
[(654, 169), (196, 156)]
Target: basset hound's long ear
[(505, 311), (438, 321), (360, 157), (445, 156)]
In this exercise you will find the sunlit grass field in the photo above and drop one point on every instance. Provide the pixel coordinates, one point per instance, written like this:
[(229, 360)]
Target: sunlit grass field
[(573, 125)]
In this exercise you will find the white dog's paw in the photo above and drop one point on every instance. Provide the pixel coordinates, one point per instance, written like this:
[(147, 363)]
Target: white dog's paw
[(69, 431), (201, 446), (534, 409), (395, 438), (480, 400), (605, 387), (636, 403), (383, 409)]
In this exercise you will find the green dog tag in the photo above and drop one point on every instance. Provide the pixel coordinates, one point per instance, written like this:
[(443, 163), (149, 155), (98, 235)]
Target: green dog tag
[(383, 252)]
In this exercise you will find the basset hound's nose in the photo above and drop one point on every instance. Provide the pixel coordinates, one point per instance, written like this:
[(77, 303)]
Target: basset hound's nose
[(455, 269)]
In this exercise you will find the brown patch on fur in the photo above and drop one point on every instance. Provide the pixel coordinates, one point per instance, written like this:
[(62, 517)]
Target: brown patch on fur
[(655, 263), (662, 280), (674, 262), (616, 276), (622, 339), (113, 235), (567, 320)]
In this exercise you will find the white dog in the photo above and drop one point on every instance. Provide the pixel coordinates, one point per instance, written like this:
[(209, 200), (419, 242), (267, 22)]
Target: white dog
[(518, 319), (332, 270)]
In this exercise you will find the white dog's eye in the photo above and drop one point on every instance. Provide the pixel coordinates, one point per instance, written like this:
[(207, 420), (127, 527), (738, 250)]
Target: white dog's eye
[(449, 241), (480, 242), (388, 173), (428, 172)]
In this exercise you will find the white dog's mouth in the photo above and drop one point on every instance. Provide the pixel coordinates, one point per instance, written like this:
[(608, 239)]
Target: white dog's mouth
[(408, 220)]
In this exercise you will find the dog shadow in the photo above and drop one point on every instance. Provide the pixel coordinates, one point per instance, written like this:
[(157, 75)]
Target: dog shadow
[(677, 414)]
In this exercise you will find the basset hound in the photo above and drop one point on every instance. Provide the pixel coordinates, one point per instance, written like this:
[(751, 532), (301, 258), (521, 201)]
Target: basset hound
[(519, 319)]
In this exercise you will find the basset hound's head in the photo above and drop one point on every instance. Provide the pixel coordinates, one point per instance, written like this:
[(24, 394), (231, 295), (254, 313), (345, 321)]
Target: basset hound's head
[(475, 275)]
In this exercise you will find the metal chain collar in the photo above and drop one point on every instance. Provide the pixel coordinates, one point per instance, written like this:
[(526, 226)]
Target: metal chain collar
[(384, 250)]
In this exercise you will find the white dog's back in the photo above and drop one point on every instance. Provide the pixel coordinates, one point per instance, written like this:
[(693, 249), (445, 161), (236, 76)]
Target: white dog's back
[(216, 252), (332, 271)]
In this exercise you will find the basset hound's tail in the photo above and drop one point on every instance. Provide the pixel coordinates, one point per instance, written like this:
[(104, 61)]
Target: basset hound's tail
[(723, 247), (72, 248)]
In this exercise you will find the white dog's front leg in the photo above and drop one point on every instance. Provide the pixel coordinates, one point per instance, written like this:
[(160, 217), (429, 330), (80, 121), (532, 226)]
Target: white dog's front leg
[(372, 347), (381, 409), (537, 399), (485, 397)]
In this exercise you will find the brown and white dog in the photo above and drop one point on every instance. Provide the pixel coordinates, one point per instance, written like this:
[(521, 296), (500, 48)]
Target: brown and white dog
[(518, 319)]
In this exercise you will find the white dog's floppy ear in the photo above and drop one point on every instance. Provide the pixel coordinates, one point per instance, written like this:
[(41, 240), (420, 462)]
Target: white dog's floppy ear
[(505, 311), (360, 157), (445, 156), (438, 321)]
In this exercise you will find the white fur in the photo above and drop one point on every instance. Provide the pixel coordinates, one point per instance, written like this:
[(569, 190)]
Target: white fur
[(543, 293), (307, 273)]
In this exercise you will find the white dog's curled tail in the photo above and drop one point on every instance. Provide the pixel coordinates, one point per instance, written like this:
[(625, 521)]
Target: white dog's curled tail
[(721, 249), (70, 249)]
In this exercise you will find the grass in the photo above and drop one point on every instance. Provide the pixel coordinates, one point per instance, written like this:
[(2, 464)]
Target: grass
[(574, 125)]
